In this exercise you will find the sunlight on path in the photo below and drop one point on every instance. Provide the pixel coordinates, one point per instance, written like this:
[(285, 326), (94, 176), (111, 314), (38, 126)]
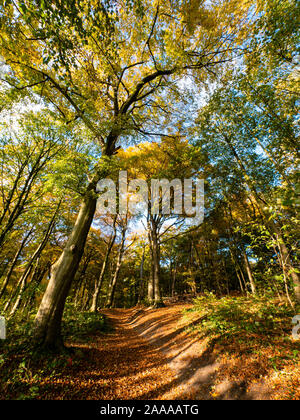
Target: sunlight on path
[(117, 365)]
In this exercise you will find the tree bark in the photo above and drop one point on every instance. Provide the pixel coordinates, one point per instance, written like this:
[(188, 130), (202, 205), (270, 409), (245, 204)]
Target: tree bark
[(47, 328), (98, 284), (150, 292), (13, 264), (270, 224), (112, 289), (157, 301), (173, 279), (249, 273), (35, 257), (37, 279), (141, 286)]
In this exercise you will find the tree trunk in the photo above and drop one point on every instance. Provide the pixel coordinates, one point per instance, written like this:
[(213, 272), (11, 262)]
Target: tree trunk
[(157, 301), (79, 280), (150, 292), (249, 273), (112, 289), (21, 286), (173, 279), (271, 224), (237, 268), (37, 281), (98, 284), (13, 264), (22, 282), (286, 263), (141, 288), (48, 319)]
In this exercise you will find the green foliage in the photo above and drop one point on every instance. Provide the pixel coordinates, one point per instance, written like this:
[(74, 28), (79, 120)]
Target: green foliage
[(230, 316), (81, 326), (23, 367)]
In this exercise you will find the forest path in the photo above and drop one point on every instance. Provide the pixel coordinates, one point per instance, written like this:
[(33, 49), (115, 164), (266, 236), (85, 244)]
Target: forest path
[(115, 365), (158, 357), (163, 355), (149, 354)]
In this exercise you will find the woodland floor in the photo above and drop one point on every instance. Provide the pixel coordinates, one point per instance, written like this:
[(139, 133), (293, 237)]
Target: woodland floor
[(156, 354), (152, 354)]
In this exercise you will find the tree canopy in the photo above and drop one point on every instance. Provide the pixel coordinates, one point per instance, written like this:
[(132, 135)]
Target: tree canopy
[(167, 90)]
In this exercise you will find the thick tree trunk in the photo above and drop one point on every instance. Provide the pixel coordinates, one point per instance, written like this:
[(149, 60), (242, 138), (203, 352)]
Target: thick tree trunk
[(48, 319)]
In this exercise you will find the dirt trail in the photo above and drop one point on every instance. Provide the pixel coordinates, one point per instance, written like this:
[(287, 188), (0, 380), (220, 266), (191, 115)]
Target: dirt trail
[(167, 330), (193, 364), (148, 355), (114, 366)]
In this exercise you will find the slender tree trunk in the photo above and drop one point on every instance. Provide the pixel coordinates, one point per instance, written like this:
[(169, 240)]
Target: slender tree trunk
[(240, 280), (156, 269), (18, 207), (200, 265), (271, 224), (141, 288), (214, 270), (151, 284), (13, 264), (37, 281), (79, 278), (80, 282), (237, 268), (18, 289), (86, 300), (83, 292), (34, 258), (249, 273), (21, 286), (286, 263), (192, 274), (98, 284), (173, 279), (154, 296), (226, 277), (112, 288)]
